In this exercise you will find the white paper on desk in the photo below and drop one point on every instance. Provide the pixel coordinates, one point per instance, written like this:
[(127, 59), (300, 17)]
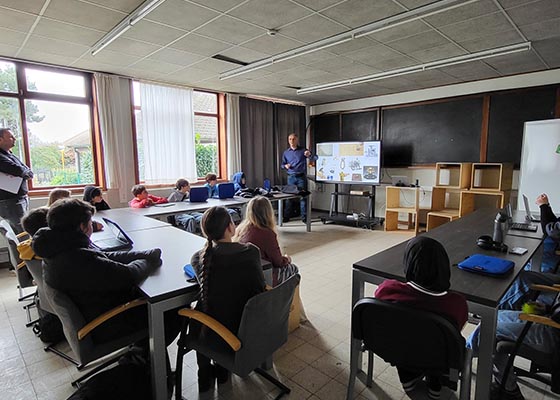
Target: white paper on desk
[(10, 183)]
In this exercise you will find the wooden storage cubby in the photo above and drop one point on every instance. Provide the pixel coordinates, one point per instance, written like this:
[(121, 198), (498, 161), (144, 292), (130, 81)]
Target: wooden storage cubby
[(395, 207), (442, 211), (468, 199), (453, 175), (491, 176)]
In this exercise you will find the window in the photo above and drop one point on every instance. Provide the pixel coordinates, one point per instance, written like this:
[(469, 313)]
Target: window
[(209, 131), (50, 112)]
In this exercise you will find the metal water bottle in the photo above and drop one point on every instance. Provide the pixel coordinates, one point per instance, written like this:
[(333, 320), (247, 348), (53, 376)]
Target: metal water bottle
[(499, 222)]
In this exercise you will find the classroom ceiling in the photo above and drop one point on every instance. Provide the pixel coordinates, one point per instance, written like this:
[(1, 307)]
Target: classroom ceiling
[(177, 41)]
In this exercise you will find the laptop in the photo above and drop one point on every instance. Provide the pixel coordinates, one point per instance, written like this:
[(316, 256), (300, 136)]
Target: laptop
[(519, 226), (226, 190), (528, 215), (120, 240), (400, 181), (198, 194)]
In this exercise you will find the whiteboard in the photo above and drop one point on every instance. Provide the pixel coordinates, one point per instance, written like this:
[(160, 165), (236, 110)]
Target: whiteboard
[(540, 163)]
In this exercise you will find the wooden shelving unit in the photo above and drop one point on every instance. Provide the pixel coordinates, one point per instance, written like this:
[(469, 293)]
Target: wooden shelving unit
[(395, 207), (453, 175), (468, 199), (491, 176)]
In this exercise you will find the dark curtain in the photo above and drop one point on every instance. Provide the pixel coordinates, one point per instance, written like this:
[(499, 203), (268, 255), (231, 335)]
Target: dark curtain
[(256, 121), (265, 127), (287, 119)]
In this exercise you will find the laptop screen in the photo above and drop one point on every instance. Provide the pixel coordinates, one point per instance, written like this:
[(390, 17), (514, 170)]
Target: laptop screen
[(527, 209), (117, 230)]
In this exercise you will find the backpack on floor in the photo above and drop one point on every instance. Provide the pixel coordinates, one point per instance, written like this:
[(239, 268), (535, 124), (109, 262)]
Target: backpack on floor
[(48, 328)]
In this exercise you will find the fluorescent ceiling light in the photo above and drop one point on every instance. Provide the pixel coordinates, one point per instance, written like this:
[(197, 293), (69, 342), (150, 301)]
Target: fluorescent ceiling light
[(140, 12), (390, 22), (481, 55)]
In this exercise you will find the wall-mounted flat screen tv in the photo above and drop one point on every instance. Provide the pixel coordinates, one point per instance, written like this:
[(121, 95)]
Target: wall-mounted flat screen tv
[(357, 163)]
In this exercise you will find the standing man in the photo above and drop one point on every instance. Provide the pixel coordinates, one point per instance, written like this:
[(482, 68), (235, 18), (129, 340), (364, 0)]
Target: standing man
[(294, 162), (13, 205)]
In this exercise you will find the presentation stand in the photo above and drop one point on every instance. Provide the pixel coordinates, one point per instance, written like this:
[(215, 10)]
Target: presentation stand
[(367, 220)]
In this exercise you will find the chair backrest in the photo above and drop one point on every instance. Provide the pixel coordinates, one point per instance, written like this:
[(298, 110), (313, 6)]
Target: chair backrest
[(72, 321), (264, 326), (24, 277), (35, 267), (408, 337)]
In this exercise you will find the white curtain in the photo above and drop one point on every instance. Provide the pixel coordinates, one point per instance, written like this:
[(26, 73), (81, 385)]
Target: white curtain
[(233, 133), (114, 104), (167, 133)]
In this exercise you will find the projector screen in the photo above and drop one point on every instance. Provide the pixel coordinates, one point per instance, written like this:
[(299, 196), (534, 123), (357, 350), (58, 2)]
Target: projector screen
[(353, 163)]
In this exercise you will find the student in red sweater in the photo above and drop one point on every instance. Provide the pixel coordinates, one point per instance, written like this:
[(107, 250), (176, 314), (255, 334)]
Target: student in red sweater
[(143, 199), (427, 269)]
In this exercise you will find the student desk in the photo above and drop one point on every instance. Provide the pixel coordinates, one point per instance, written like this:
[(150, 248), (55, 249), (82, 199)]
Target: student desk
[(127, 220), (482, 293)]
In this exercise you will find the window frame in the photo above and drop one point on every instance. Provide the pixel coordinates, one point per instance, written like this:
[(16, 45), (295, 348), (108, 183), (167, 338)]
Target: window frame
[(220, 116), (24, 94)]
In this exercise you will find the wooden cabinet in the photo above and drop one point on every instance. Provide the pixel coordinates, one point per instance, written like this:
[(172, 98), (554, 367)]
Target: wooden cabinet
[(491, 176), (453, 175), (402, 200)]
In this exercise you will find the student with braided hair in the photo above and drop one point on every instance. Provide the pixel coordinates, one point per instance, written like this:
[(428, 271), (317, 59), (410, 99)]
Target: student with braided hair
[(229, 273)]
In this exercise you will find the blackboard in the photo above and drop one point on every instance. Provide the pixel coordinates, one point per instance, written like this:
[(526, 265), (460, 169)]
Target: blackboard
[(359, 126), (508, 113), (326, 128), (433, 132)]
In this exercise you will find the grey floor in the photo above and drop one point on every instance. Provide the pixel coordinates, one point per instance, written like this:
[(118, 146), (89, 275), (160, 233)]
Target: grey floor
[(313, 363)]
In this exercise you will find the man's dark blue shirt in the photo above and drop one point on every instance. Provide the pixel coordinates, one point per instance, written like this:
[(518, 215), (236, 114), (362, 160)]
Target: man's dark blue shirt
[(296, 158)]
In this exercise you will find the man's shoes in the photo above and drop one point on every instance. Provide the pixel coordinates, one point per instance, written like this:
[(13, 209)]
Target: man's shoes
[(497, 393), (304, 220)]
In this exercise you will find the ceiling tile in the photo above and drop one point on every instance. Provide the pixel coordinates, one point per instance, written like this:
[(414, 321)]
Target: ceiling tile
[(369, 11), (45, 57), (182, 15), (516, 63), (16, 20), (217, 66), (432, 78), (197, 44), (353, 70), (220, 5), (83, 14), (8, 51), (437, 53), (462, 13), (123, 5), (132, 47), (11, 38), (425, 40), (399, 32), (244, 54), (542, 30), (315, 57), (64, 31), (410, 4), (473, 70), (270, 13), (107, 56), (155, 66), (513, 3), (316, 5), (176, 57), (487, 25), (538, 11), (153, 33), (230, 30), (272, 44), (312, 29), (398, 83), (31, 6), (56, 47), (192, 74), (548, 49), (492, 41), (392, 63), (352, 45), (373, 54)]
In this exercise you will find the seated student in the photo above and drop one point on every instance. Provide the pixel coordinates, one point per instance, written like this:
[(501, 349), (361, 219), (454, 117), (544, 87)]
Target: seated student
[(181, 191), (143, 199), (238, 180), (189, 222), (211, 181), (31, 222), (259, 228), (427, 269), (57, 194), (551, 227), (93, 196), (230, 274), (95, 281)]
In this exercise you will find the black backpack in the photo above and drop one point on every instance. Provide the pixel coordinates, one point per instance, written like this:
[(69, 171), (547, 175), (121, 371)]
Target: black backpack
[(48, 328)]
